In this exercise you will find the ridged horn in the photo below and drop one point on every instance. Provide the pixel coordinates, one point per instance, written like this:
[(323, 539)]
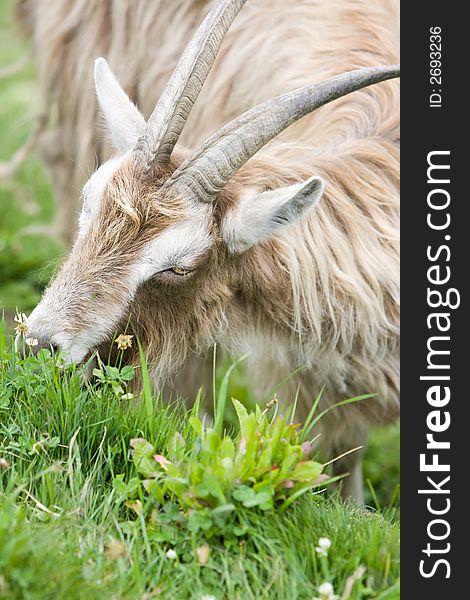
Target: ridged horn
[(208, 169), (172, 109)]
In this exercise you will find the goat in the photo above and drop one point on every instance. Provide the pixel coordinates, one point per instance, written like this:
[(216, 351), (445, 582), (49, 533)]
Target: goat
[(190, 248)]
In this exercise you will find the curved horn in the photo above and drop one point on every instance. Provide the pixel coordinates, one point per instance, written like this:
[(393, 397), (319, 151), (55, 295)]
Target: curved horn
[(206, 172), (172, 109)]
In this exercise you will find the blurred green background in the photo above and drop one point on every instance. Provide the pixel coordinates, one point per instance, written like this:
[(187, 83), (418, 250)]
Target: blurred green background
[(27, 260)]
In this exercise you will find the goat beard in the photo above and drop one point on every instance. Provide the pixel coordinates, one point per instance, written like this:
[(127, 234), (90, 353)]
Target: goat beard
[(172, 329)]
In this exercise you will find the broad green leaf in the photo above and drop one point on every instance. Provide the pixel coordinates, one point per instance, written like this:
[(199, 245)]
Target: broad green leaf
[(214, 487), (112, 372), (227, 448), (211, 441), (127, 373), (307, 471), (196, 424), (142, 456), (199, 520), (241, 411), (243, 493), (99, 374)]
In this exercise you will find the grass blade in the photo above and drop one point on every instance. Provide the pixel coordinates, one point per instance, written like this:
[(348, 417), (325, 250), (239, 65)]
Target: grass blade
[(221, 400), (146, 385)]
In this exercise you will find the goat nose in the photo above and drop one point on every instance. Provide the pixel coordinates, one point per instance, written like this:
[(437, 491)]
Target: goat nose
[(31, 345)]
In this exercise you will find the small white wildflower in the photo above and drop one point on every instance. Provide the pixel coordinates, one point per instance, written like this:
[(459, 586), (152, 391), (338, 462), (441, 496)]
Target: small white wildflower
[(171, 554), (124, 341), (326, 592), (208, 597), (324, 545), (326, 589), (22, 327), (31, 341)]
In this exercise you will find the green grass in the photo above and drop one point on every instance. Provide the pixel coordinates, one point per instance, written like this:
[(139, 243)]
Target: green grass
[(64, 529)]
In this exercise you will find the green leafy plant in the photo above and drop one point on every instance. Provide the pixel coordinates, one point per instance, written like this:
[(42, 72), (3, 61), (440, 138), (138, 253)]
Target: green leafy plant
[(205, 480), (265, 464), (116, 379)]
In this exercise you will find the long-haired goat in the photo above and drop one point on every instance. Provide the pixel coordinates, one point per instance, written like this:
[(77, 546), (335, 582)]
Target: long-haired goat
[(292, 255)]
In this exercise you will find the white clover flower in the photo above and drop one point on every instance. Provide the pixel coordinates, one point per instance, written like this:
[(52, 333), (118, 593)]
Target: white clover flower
[(171, 554), (324, 545), (326, 589), (124, 342), (326, 592), (22, 327), (31, 341)]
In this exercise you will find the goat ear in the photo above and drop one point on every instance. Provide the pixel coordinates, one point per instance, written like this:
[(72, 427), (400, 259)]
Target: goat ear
[(258, 217), (124, 121)]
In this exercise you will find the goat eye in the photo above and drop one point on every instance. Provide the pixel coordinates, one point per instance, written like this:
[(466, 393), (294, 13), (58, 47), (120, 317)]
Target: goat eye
[(180, 271)]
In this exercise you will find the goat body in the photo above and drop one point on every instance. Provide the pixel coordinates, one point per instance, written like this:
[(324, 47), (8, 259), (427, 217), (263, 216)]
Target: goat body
[(322, 293)]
